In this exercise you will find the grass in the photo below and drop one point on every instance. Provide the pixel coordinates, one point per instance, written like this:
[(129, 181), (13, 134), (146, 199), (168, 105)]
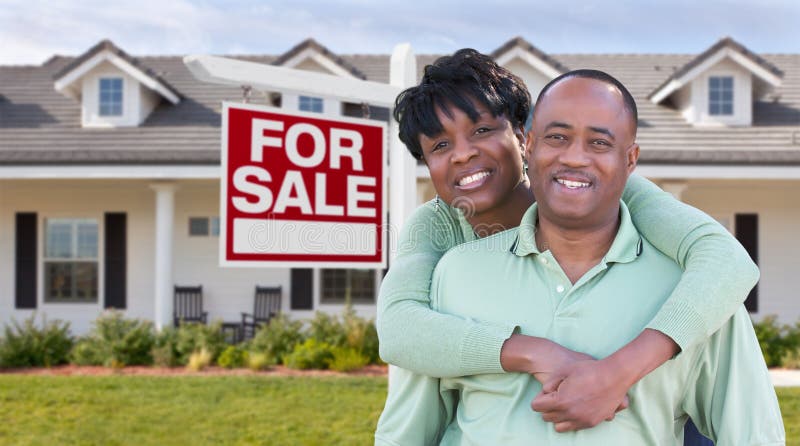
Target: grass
[(132, 410), (789, 398), (136, 410)]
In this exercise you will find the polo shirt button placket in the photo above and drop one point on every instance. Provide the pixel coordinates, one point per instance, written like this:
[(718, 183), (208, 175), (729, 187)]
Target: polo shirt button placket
[(560, 289)]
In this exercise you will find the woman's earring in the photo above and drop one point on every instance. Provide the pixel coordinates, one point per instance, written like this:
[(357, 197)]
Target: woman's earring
[(436, 203)]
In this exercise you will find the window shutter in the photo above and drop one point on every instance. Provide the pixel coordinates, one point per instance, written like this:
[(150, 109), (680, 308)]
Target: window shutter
[(25, 261), (301, 297), (747, 234), (115, 260)]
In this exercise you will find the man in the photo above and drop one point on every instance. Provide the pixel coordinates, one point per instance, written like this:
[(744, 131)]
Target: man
[(576, 272)]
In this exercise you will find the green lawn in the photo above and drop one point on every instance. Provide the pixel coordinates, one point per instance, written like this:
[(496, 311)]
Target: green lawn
[(130, 410), (133, 410)]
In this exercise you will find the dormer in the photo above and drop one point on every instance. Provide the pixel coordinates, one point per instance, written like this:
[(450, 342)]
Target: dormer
[(115, 89), (718, 87), (529, 63), (310, 55)]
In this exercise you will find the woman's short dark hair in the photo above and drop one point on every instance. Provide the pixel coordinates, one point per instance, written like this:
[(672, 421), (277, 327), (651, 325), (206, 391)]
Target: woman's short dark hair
[(457, 81)]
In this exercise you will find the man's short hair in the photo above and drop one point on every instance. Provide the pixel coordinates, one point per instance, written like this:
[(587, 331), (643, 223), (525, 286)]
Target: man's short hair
[(602, 76), (456, 81)]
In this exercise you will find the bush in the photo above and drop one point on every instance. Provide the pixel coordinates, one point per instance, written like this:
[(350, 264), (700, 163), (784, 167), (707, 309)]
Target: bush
[(346, 359), (278, 338), (165, 353), (232, 358), (311, 354), (199, 360), (328, 329), (259, 361), (116, 342), (194, 337), (778, 342), (27, 345), (361, 335)]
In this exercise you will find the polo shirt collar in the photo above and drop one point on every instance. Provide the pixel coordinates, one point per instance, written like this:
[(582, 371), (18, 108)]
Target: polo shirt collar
[(626, 247)]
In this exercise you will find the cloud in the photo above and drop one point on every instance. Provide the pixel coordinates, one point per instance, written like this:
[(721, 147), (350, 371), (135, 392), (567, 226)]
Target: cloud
[(32, 30)]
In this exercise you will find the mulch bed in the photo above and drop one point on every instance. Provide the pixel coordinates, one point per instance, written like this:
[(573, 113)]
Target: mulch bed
[(74, 370)]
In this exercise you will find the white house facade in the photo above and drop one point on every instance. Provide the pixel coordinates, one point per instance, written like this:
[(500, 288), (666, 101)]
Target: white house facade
[(110, 166)]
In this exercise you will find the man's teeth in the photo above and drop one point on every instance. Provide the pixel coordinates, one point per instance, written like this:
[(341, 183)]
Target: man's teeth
[(472, 178), (572, 184)]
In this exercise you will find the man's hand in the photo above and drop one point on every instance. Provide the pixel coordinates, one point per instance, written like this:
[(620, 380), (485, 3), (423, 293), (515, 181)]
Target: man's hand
[(578, 391), (581, 395)]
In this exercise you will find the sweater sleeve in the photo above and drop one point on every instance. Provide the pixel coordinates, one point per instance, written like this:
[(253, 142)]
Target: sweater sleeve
[(730, 396), (411, 334), (718, 272)]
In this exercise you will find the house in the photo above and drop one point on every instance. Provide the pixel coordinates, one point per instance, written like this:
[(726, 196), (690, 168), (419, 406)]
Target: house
[(109, 172)]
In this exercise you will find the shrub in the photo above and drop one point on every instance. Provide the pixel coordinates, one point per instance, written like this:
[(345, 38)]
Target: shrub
[(278, 338), (259, 361), (232, 358), (165, 353), (199, 360), (346, 359), (328, 329), (777, 342), (28, 345), (194, 337), (311, 354), (361, 335), (116, 342)]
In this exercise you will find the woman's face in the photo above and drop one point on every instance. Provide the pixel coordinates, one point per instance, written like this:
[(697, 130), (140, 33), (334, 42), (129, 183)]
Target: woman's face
[(475, 166)]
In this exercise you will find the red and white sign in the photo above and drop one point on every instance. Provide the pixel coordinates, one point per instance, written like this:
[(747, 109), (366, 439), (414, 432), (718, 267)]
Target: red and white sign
[(301, 189)]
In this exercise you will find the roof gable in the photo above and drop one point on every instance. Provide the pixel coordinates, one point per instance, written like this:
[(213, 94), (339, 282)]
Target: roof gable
[(522, 49), (724, 48), (310, 53), (106, 51)]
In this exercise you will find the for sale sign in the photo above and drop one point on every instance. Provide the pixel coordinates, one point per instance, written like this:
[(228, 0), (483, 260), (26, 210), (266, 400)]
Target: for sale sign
[(301, 189)]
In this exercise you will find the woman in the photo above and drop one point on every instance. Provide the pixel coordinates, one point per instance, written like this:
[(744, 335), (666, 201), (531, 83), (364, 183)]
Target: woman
[(492, 197)]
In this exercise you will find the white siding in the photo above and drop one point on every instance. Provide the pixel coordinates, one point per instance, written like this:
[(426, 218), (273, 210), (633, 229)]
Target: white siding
[(778, 209), (697, 111), (131, 99)]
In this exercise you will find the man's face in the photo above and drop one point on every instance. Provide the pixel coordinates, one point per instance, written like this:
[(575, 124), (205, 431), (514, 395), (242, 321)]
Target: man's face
[(581, 153)]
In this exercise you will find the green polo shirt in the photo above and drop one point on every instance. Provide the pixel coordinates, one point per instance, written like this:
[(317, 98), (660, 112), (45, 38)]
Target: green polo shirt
[(722, 384)]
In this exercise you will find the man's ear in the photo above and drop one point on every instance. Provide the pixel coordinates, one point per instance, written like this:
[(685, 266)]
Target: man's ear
[(519, 132), (633, 157), (529, 140)]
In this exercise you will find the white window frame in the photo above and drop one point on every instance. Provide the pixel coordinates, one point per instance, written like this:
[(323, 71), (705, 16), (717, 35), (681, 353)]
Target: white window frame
[(722, 102), (121, 80), (342, 301), (212, 224), (43, 260), (310, 104)]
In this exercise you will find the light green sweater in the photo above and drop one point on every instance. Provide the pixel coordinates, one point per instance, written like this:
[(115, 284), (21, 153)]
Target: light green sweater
[(718, 274), (722, 383)]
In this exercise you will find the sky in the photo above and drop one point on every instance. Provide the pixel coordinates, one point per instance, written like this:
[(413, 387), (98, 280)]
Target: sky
[(31, 31)]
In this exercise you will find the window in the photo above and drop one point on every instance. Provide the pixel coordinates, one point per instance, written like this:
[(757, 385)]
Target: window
[(111, 96), (307, 103), (70, 260), (747, 234), (720, 95), (203, 226), (343, 285)]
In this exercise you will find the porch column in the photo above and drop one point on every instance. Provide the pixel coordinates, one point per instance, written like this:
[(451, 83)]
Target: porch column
[(402, 167), (165, 212), (676, 188)]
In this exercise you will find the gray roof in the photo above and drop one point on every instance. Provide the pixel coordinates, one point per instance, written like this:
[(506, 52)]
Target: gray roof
[(108, 45), (726, 42), (40, 126)]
